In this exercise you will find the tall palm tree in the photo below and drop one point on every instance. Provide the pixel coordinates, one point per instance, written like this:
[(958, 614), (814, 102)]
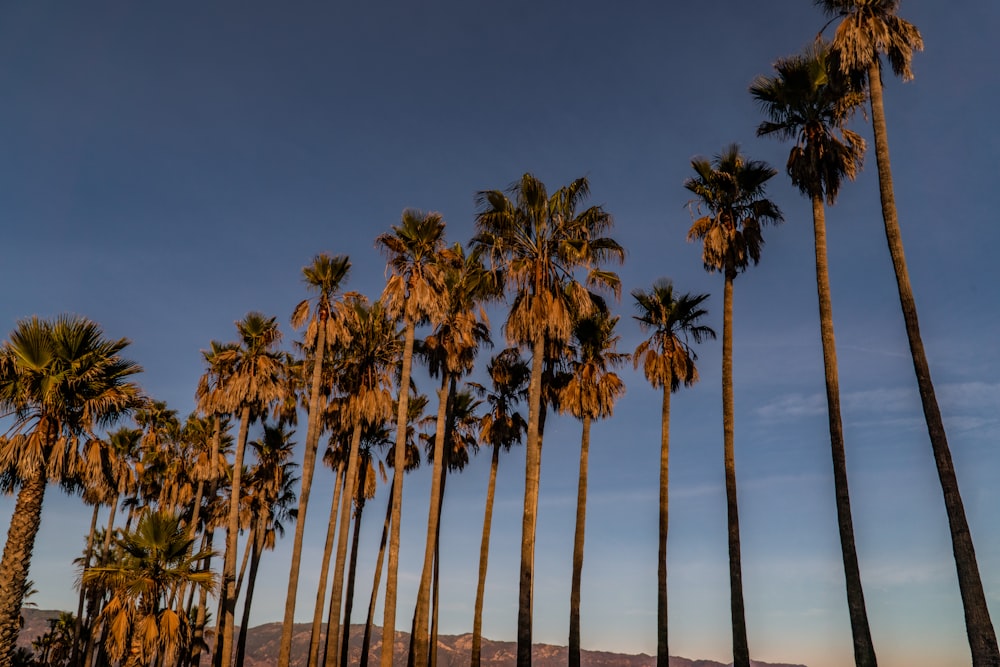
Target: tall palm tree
[(324, 277), (254, 383), (501, 427), (731, 190), (450, 351), (271, 494), (412, 294), (809, 101), (868, 30), (541, 242), (589, 393), (366, 368), (667, 360), (140, 624), (60, 379)]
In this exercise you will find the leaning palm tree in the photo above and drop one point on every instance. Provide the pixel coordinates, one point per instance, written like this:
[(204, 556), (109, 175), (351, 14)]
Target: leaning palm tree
[(589, 393), (412, 294), (501, 428), (60, 379), (254, 383), (667, 360), (140, 626), (324, 277), (870, 29), (731, 190), (271, 495), (541, 242), (809, 101)]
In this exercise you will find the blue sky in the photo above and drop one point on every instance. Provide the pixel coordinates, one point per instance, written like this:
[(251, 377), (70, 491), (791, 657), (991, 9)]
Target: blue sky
[(165, 168)]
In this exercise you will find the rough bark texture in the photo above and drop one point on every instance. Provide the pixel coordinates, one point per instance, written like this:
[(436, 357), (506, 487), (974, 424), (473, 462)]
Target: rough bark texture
[(308, 469), (484, 556), (662, 648), (741, 649), (337, 590), (420, 637), (389, 616), (979, 627), (256, 550), (16, 559), (578, 540), (532, 474), (316, 631), (864, 649)]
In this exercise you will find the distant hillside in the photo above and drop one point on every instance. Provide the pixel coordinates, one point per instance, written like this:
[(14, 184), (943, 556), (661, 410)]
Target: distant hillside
[(453, 650)]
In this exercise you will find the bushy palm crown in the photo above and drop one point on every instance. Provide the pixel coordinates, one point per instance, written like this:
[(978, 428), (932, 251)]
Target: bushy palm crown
[(461, 431), (254, 366), (365, 367), (324, 276), (870, 28), (667, 357), (809, 101), (416, 283), (271, 481), (156, 558), (501, 425), (61, 380), (540, 241), (592, 387), (731, 189)]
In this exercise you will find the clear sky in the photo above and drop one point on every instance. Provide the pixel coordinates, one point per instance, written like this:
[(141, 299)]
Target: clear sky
[(167, 167)]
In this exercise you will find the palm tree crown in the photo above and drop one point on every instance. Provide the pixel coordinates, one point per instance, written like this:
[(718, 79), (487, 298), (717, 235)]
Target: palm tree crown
[(870, 28)]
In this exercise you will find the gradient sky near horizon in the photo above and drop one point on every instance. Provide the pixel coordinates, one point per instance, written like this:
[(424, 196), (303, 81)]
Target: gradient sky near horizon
[(167, 167)]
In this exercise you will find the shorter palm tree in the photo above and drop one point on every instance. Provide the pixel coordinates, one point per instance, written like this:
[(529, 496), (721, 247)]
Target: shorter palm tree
[(667, 360), (140, 625)]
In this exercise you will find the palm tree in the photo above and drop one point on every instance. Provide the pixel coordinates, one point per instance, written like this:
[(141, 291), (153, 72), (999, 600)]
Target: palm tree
[(731, 188), (365, 368), (59, 379), (450, 351), (500, 428), (540, 242), (413, 294), (271, 495), (667, 360), (870, 29), (324, 277), (809, 101), (589, 393), (138, 619), (253, 384)]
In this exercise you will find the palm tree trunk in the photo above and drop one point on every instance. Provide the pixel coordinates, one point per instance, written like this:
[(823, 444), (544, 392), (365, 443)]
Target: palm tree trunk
[(662, 646), (979, 627), (308, 469), (251, 540), (420, 638), (864, 649), (90, 641), (17, 552), (741, 650), (324, 569), (532, 474), (436, 587), (345, 649), (578, 538), (87, 555), (389, 616), (227, 603), (257, 548), (484, 556), (366, 640), (336, 595), (199, 621)]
